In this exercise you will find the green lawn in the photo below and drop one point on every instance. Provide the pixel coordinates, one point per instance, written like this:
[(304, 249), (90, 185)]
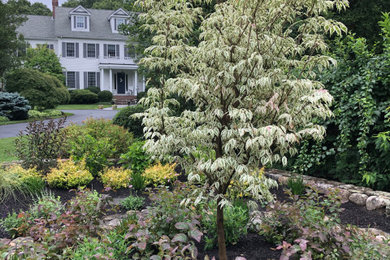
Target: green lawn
[(7, 149), (32, 119), (82, 106)]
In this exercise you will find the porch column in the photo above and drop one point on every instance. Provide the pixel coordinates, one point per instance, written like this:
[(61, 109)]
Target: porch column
[(143, 83), (111, 81), (101, 79), (135, 83)]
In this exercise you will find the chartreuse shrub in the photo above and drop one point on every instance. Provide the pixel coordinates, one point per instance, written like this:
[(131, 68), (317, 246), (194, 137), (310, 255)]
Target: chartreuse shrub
[(4, 119), (116, 178), (43, 114), (13, 106), (159, 174), (133, 203), (125, 118), (41, 90), (310, 228), (69, 174), (16, 179)]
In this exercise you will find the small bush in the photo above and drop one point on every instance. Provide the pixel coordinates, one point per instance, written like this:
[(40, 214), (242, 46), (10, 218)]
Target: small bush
[(136, 158), (159, 174), (116, 178), (235, 220), (41, 90), (83, 96), (46, 205), (4, 119), (13, 106), (125, 118), (69, 174), (43, 114), (92, 248), (15, 180), (296, 185), (41, 144), (95, 90), (137, 181), (133, 203), (105, 96)]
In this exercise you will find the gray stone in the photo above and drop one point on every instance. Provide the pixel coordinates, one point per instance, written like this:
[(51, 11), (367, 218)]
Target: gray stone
[(21, 241), (375, 202), (4, 241), (324, 187), (358, 198)]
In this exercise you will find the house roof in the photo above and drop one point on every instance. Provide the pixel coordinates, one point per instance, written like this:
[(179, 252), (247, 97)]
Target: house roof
[(44, 27)]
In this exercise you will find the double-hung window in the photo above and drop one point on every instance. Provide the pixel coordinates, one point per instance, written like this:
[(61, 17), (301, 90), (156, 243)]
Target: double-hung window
[(71, 79), (80, 22), (111, 51), (70, 49), (91, 50), (91, 79), (118, 22)]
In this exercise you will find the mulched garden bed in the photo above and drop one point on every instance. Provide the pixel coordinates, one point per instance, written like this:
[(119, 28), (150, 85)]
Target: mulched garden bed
[(252, 246)]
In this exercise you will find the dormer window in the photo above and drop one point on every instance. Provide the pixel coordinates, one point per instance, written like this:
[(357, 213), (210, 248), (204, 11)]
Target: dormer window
[(79, 17), (117, 18), (118, 22), (81, 22)]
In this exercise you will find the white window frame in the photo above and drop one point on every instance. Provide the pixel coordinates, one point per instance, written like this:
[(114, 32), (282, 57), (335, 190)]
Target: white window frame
[(87, 51), (92, 75), (67, 82), (80, 22), (74, 49), (118, 22), (108, 51)]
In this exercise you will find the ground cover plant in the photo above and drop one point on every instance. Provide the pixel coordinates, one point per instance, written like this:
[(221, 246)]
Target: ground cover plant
[(252, 81), (7, 149)]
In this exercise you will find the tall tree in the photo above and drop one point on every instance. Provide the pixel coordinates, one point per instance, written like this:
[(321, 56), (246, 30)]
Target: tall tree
[(252, 78), (25, 7), (10, 42)]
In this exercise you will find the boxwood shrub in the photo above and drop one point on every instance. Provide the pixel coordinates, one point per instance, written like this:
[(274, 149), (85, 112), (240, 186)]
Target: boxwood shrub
[(83, 96), (105, 96)]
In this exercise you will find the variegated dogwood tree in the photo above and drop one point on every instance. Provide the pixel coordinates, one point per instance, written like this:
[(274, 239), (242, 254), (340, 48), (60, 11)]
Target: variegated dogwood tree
[(253, 80)]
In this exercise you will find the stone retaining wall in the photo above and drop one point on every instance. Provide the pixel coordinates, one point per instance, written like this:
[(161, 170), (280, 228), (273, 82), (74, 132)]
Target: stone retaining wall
[(372, 200)]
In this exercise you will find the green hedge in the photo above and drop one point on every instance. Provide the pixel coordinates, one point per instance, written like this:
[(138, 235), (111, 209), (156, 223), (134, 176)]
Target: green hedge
[(124, 118), (83, 96)]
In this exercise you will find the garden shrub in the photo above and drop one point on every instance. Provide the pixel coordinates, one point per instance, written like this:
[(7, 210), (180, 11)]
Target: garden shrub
[(69, 174), (296, 185), (41, 90), (83, 96), (116, 178), (136, 158), (105, 96), (95, 90), (15, 180), (137, 181), (133, 203), (41, 144), (4, 119), (13, 106), (125, 118), (159, 174), (44, 114), (93, 248), (235, 220)]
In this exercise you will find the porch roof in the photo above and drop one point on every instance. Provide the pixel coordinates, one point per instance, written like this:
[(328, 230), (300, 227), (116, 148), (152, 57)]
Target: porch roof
[(118, 66)]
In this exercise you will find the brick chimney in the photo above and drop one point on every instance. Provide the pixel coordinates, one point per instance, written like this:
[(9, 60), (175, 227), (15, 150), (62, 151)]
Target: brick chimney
[(55, 4)]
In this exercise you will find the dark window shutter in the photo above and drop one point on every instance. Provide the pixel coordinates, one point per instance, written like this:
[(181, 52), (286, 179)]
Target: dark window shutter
[(84, 50), (86, 21), (77, 80), (105, 50), (126, 52), (77, 50), (64, 73), (63, 49), (74, 21), (97, 50), (117, 51), (98, 79), (114, 23), (85, 80)]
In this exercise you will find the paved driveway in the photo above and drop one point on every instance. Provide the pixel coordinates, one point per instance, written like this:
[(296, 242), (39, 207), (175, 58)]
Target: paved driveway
[(77, 118)]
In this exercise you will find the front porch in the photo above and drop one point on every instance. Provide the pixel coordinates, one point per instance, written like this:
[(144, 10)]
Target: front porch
[(123, 81)]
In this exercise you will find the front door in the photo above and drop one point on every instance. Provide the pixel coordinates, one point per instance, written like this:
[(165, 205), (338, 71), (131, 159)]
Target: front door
[(121, 82)]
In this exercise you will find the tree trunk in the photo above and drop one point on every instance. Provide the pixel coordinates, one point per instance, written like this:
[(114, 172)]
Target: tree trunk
[(221, 233)]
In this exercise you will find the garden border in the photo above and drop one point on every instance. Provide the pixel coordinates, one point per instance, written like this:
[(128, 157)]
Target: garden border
[(372, 200)]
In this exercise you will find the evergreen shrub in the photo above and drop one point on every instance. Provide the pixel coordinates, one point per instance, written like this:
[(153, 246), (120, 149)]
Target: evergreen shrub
[(13, 106)]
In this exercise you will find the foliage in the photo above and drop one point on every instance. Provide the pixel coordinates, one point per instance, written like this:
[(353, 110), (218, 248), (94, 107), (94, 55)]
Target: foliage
[(83, 96), (16, 181), (159, 174), (41, 90), (69, 174), (95, 90), (235, 220), (43, 114), (358, 86), (310, 228), (137, 181), (13, 106), (4, 119), (252, 80), (10, 41), (136, 158), (25, 7), (116, 178), (44, 60), (133, 203), (92, 248), (126, 118), (105, 96), (41, 144), (296, 185)]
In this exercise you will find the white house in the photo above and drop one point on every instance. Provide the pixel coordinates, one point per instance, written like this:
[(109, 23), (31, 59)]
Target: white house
[(91, 50)]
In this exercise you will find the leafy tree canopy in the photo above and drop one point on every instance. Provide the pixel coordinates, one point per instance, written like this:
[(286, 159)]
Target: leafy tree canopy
[(44, 60), (25, 7), (101, 4)]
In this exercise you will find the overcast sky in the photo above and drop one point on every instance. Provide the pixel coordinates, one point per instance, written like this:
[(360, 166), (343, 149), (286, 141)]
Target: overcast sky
[(47, 2)]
